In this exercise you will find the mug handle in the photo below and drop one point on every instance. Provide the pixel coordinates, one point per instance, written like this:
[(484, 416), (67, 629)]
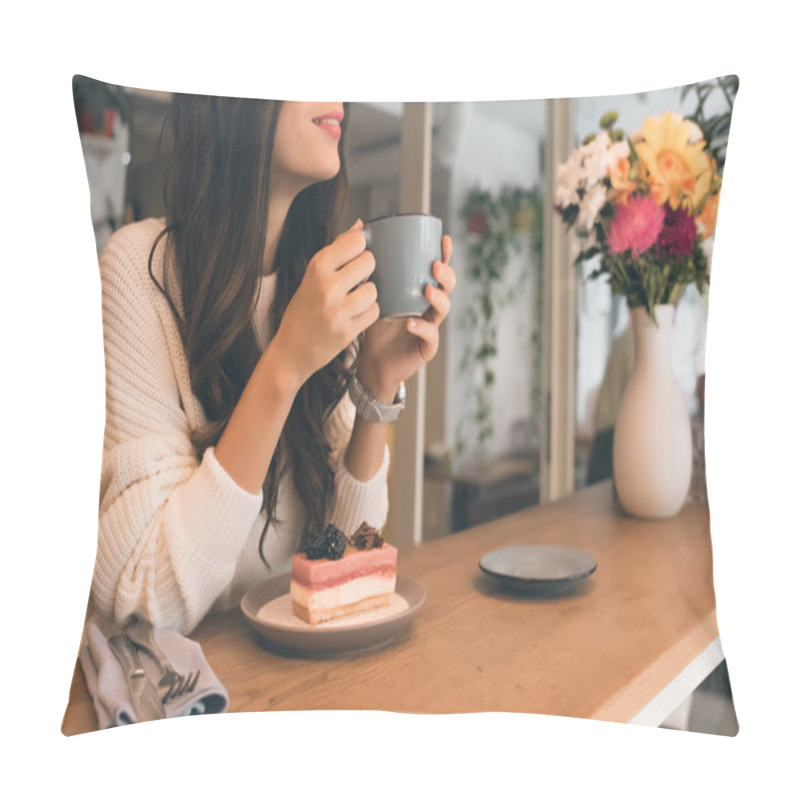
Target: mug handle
[(367, 231)]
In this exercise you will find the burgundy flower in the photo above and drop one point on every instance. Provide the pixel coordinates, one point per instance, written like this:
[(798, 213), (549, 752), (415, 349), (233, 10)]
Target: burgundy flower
[(678, 235), (477, 223)]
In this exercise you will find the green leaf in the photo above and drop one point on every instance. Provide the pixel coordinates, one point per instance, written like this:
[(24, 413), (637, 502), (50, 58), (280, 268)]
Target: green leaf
[(570, 214), (486, 351)]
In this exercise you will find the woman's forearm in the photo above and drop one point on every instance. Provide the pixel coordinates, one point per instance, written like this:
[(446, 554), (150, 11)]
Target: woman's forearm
[(366, 450), (367, 446), (248, 442)]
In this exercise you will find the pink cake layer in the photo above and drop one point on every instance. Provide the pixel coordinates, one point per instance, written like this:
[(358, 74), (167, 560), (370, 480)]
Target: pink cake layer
[(323, 573)]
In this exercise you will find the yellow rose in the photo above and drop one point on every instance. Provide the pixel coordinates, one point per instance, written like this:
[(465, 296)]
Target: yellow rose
[(708, 216), (619, 173)]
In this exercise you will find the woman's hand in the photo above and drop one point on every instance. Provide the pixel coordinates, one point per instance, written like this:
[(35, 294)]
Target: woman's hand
[(393, 351), (332, 306)]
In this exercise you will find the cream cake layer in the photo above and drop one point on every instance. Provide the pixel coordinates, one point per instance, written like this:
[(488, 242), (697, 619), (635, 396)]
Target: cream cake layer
[(313, 617), (345, 594)]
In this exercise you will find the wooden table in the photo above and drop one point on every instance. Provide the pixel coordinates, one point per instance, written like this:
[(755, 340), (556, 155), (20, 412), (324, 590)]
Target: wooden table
[(628, 646)]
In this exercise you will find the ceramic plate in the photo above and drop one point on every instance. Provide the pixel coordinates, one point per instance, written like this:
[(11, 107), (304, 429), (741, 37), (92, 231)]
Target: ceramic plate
[(268, 609), (532, 565)]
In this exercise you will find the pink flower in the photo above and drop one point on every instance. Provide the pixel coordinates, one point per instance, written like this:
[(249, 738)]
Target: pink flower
[(678, 235), (635, 226)]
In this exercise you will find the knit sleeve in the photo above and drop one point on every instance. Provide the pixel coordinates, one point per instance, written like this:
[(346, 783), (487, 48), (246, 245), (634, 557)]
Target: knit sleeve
[(356, 501), (171, 526)]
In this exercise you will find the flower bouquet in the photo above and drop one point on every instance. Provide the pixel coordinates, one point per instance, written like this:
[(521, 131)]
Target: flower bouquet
[(645, 203)]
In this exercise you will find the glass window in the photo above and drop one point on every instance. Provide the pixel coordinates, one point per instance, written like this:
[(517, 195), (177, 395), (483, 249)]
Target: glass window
[(482, 423)]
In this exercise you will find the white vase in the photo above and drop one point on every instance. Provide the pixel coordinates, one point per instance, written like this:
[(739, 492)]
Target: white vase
[(652, 436)]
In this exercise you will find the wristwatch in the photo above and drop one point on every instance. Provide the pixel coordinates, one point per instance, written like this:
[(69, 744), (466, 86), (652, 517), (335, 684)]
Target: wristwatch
[(372, 410)]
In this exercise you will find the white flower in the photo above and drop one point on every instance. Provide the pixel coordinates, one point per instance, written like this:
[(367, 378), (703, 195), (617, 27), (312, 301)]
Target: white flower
[(594, 158), (695, 134), (592, 202), (569, 176), (579, 179)]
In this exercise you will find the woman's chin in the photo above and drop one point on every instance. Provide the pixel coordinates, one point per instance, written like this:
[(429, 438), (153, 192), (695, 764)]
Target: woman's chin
[(331, 172), (321, 175)]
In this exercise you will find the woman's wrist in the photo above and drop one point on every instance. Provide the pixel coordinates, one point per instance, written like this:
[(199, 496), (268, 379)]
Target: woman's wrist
[(382, 391), (281, 370), (365, 451)]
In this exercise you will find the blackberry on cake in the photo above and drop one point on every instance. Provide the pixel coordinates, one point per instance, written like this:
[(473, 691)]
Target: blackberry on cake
[(324, 543), (366, 537)]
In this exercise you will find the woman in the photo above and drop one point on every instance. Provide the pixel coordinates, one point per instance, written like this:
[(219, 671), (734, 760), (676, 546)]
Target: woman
[(232, 333)]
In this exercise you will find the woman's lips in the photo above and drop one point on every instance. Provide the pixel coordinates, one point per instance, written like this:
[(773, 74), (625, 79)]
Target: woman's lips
[(331, 123)]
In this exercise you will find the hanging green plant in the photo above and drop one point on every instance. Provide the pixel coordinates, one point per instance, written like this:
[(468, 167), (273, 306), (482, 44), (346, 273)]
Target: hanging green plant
[(715, 127), (495, 226)]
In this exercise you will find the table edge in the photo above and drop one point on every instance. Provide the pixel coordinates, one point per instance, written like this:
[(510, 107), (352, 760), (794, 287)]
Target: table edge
[(680, 687), (681, 662)]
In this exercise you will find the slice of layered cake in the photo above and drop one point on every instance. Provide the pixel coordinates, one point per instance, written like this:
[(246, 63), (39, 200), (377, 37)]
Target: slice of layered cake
[(336, 576)]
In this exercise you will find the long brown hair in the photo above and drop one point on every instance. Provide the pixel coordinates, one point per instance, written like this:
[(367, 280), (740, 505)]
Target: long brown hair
[(216, 198)]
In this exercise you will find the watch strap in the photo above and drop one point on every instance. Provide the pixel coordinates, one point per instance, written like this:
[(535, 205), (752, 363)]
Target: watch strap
[(370, 409)]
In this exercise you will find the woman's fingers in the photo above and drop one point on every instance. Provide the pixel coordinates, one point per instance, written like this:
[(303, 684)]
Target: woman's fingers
[(439, 304), (447, 249), (445, 276), (360, 300), (428, 334), (356, 271), (342, 250), (366, 318)]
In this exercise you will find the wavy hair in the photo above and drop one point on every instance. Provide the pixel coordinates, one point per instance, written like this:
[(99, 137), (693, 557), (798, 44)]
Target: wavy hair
[(216, 199)]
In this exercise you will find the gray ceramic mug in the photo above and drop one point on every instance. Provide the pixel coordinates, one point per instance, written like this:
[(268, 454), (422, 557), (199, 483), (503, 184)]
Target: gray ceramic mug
[(405, 247)]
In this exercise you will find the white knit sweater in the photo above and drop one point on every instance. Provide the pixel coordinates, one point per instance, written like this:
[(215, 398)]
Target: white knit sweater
[(177, 536)]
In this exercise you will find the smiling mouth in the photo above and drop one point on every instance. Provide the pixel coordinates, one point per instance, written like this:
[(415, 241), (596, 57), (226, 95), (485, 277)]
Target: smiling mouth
[(328, 120), (331, 123)]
